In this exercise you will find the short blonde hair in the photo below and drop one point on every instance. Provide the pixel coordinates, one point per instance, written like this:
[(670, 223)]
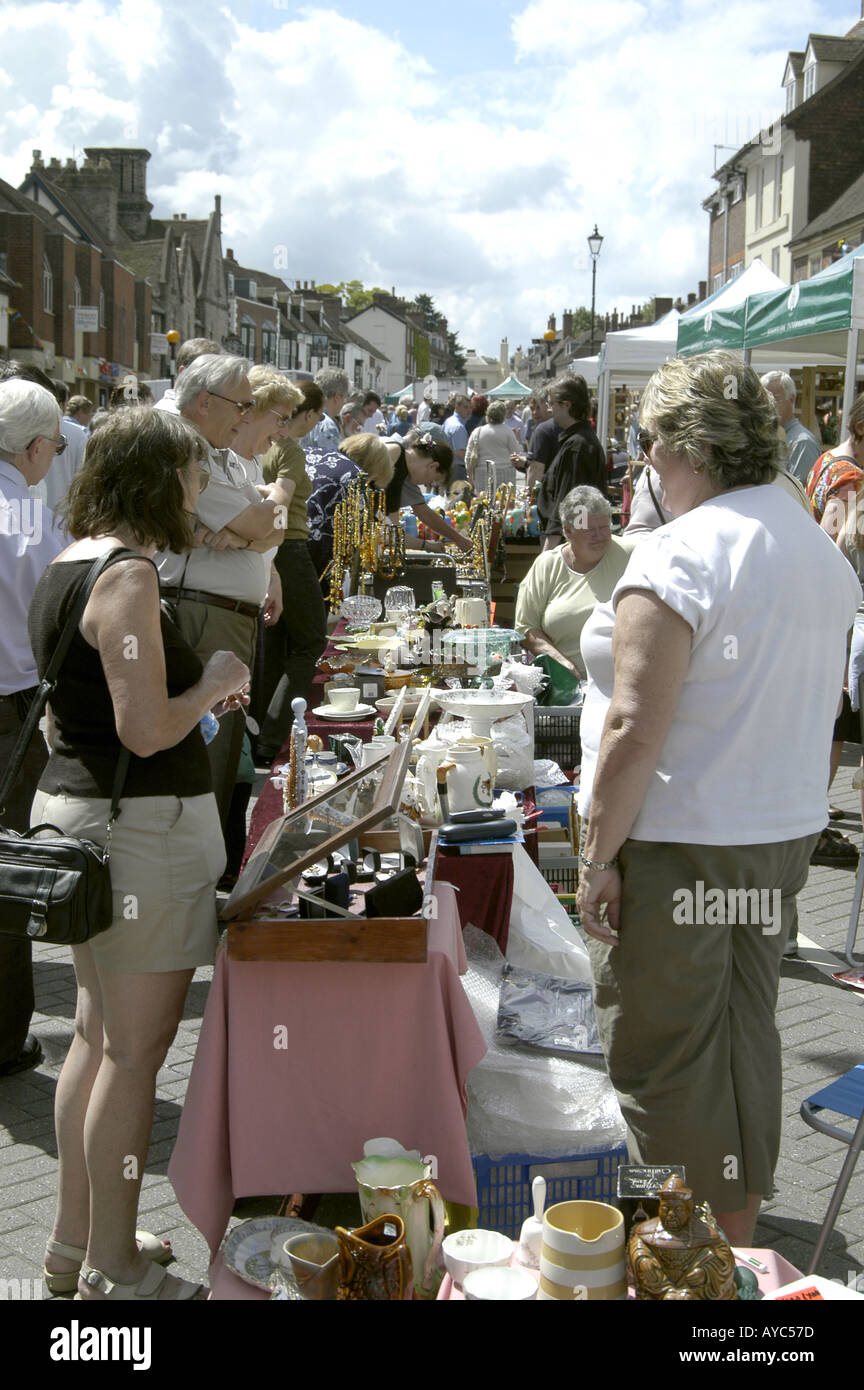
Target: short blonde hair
[(369, 453), (495, 412), (271, 390), (715, 411)]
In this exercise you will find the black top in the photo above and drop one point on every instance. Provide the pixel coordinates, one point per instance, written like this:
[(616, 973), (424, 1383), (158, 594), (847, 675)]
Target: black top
[(580, 459), (86, 746), (393, 494), (544, 442)]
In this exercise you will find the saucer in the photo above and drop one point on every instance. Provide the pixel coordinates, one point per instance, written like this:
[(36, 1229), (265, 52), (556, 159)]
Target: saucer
[(246, 1250), (358, 712)]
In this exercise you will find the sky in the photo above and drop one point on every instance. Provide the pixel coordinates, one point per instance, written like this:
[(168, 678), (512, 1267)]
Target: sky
[(464, 148)]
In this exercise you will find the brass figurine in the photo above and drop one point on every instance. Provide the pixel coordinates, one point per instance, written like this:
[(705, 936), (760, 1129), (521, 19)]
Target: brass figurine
[(680, 1254)]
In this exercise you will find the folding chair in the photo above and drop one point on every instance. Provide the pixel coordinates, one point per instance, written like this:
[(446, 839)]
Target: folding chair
[(846, 1097)]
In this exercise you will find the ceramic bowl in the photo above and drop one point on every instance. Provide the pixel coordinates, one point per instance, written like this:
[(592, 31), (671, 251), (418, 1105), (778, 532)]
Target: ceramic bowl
[(465, 1251), (499, 1286)]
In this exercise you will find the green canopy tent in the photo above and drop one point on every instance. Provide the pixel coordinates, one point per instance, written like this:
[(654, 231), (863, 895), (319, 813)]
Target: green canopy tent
[(511, 389), (823, 316), (406, 394), (719, 321)]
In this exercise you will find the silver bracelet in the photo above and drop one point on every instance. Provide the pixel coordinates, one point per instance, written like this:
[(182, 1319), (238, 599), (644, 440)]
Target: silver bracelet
[(598, 863)]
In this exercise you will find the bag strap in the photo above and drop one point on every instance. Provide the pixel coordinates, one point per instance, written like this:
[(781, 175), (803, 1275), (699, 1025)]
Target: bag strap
[(46, 687), (657, 507)]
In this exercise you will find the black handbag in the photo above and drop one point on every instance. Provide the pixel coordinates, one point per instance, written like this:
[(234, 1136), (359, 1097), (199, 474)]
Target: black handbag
[(54, 887)]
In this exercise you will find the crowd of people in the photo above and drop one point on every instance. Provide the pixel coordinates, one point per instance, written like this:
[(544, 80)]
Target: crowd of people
[(214, 512)]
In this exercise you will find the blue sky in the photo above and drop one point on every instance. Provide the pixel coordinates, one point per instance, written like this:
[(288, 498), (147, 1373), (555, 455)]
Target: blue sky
[(462, 149)]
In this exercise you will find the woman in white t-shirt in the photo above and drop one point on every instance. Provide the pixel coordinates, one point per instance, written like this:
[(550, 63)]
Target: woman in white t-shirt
[(713, 680), (492, 443)]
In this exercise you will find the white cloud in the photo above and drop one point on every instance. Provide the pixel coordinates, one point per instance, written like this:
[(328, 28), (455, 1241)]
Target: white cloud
[(339, 141)]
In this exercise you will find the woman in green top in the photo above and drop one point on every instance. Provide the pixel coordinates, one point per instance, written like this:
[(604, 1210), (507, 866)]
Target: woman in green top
[(562, 587), (293, 644)]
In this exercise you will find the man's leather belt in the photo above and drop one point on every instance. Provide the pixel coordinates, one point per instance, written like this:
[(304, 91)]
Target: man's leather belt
[(234, 605)]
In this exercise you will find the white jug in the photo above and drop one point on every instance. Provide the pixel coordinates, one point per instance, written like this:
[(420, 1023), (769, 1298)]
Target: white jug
[(469, 785)]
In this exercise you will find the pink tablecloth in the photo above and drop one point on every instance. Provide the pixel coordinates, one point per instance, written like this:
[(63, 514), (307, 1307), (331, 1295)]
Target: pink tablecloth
[(372, 1050)]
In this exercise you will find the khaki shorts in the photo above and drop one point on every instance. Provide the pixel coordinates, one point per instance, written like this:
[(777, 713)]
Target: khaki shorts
[(685, 1008), (167, 855)]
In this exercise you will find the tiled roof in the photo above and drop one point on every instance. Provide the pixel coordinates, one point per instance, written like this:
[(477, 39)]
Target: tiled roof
[(828, 49), (850, 204)]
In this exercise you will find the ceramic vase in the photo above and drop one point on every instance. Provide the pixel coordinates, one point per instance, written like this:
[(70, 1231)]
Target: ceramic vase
[(469, 785)]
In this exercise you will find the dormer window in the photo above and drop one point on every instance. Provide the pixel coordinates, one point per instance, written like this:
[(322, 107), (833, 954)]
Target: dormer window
[(790, 96), (253, 290), (810, 80)]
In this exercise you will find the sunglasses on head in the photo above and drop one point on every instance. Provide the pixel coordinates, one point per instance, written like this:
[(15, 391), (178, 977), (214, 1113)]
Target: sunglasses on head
[(646, 441)]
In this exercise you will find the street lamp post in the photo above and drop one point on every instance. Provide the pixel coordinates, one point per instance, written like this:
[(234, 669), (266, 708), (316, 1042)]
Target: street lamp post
[(173, 339), (595, 241)]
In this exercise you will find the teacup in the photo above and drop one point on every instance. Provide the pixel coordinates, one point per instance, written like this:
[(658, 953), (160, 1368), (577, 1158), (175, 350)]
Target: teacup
[(465, 1251), (345, 699)]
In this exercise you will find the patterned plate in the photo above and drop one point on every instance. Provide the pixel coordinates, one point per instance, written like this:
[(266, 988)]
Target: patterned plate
[(246, 1250)]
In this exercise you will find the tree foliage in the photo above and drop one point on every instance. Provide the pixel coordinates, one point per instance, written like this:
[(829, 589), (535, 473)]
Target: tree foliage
[(353, 294)]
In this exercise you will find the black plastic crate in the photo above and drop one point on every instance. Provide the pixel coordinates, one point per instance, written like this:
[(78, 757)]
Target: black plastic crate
[(556, 735)]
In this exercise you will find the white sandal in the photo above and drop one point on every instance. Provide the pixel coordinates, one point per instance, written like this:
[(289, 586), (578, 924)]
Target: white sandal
[(148, 1287), (158, 1251)]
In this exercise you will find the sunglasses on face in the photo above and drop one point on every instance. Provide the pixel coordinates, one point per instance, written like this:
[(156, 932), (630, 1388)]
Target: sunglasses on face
[(59, 444), (242, 406), (283, 419)]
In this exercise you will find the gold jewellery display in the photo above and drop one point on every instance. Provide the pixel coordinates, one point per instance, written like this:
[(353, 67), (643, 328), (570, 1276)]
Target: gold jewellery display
[(362, 532)]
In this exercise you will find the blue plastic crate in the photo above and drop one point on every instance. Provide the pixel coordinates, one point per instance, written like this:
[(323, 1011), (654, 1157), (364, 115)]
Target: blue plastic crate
[(504, 1184)]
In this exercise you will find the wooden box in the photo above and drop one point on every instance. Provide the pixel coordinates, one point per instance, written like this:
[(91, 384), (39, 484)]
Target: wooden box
[(351, 812)]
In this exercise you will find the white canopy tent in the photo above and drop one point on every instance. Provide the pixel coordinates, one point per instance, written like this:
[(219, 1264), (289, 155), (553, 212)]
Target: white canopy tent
[(630, 357)]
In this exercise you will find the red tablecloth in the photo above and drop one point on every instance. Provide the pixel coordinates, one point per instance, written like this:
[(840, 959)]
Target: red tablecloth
[(485, 885), (367, 1050)]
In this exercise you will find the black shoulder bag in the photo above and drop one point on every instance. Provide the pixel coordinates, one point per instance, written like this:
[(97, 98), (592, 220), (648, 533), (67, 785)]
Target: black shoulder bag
[(54, 887)]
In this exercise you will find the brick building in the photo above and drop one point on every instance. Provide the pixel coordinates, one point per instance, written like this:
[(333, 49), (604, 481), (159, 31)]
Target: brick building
[(786, 178)]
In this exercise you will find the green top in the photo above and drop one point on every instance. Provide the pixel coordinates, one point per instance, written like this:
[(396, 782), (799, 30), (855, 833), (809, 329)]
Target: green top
[(558, 601), (287, 460)]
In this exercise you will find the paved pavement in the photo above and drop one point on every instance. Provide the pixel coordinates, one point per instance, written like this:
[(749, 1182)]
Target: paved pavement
[(822, 1025)]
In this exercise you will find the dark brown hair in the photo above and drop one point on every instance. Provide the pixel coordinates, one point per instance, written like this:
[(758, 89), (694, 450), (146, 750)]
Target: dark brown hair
[(313, 396), (129, 479)]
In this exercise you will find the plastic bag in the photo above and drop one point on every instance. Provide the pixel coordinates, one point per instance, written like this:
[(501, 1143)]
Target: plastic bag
[(543, 1011), (563, 685), (521, 1100), (542, 937)]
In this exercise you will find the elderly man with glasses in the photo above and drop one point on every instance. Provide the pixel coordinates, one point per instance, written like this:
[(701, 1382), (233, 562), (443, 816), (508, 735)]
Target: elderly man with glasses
[(219, 589), (30, 539)]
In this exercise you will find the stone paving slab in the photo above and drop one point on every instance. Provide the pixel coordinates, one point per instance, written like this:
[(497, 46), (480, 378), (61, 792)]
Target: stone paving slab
[(821, 1025)]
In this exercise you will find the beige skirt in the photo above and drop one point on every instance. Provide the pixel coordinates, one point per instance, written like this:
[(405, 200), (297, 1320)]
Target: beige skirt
[(167, 855)]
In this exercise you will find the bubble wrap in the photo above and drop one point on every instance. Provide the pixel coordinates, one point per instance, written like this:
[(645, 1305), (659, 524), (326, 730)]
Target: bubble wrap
[(524, 1101)]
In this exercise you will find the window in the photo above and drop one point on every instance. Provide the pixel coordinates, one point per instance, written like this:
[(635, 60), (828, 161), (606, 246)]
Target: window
[(268, 342), (775, 260), (47, 287), (809, 81), (799, 269), (358, 372), (285, 362), (778, 187), (247, 340), (790, 96), (815, 263), (718, 281), (760, 195), (336, 355)]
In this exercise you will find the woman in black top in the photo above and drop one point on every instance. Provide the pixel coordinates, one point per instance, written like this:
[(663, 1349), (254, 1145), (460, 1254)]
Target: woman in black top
[(129, 679), (424, 458)]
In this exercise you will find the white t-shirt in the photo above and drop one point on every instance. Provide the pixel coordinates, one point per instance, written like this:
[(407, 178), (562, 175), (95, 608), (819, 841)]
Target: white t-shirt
[(770, 600), (238, 574)]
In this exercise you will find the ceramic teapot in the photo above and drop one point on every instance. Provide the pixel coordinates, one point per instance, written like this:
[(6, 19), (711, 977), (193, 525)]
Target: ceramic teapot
[(398, 1183)]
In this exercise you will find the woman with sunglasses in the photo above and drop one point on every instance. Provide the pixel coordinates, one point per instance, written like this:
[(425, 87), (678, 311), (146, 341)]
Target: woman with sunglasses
[(129, 681), (713, 678)]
